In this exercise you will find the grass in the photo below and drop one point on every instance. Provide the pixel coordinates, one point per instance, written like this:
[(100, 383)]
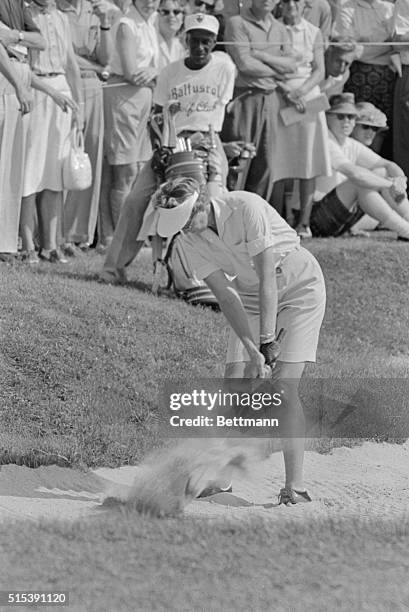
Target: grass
[(129, 562), (83, 364)]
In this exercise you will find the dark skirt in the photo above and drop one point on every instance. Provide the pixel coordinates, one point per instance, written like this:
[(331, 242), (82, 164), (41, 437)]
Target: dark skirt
[(372, 83), (375, 84), (401, 122)]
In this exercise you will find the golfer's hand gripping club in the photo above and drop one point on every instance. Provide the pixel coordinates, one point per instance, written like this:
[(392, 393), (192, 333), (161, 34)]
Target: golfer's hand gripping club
[(271, 350)]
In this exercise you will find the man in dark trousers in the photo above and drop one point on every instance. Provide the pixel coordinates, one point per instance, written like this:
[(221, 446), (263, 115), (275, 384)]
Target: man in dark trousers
[(253, 114)]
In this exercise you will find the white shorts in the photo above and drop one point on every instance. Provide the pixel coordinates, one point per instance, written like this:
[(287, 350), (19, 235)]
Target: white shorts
[(301, 308)]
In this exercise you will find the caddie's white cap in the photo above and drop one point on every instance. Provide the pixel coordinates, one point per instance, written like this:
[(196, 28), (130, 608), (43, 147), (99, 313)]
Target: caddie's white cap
[(172, 220), (200, 21)]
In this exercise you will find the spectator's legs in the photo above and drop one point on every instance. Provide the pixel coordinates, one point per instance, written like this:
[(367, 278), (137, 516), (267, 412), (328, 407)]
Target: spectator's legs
[(402, 208), (372, 203), (105, 222), (252, 118), (81, 207), (277, 199), (127, 142), (28, 222), (123, 177), (307, 187), (124, 247), (13, 136), (364, 225), (49, 212)]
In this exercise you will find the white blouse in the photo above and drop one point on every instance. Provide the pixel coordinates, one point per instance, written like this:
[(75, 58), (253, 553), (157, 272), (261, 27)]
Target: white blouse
[(147, 37), (167, 54)]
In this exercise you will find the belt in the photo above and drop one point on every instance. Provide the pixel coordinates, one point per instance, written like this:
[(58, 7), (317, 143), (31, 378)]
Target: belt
[(88, 74), (49, 74), (184, 133), (241, 91)]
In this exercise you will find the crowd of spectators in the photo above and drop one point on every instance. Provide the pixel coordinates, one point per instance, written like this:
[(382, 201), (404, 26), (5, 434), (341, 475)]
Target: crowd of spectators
[(318, 88)]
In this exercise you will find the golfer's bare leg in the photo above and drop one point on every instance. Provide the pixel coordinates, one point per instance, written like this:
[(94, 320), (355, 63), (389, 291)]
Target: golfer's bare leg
[(289, 375)]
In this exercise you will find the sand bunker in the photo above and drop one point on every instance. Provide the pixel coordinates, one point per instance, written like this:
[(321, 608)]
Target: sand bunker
[(370, 480)]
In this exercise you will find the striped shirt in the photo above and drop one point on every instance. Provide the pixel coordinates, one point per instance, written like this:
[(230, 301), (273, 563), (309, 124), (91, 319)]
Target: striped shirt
[(55, 28)]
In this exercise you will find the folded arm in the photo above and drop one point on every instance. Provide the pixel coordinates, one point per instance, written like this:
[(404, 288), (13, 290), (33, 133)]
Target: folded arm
[(243, 56)]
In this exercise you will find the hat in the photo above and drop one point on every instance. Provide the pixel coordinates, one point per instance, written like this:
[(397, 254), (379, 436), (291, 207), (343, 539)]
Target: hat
[(343, 103), (200, 21), (368, 114), (172, 220)]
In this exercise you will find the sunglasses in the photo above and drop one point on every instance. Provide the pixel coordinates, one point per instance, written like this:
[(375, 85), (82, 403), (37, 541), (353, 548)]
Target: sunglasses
[(167, 12), (209, 5), (366, 127), (342, 117)]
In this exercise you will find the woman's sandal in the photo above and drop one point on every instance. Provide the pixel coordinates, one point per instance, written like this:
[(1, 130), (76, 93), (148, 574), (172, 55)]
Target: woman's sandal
[(291, 496)]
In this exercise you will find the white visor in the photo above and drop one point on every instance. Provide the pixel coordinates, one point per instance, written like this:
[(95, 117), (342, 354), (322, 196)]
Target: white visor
[(172, 220)]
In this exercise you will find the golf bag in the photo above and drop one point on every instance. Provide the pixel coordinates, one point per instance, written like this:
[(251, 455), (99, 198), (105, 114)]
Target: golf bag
[(192, 291)]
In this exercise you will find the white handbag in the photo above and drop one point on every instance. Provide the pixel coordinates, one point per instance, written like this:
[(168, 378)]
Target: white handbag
[(76, 169)]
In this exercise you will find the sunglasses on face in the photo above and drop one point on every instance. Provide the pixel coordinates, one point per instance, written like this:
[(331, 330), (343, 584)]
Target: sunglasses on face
[(208, 5), (167, 12), (342, 117), (366, 127)]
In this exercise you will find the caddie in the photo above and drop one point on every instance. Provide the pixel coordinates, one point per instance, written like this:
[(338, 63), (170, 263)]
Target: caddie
[(192, 93)]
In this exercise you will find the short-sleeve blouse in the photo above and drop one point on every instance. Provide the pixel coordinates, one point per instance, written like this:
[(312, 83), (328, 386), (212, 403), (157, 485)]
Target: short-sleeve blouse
[(55, 28), (147, 37), (246, 226)]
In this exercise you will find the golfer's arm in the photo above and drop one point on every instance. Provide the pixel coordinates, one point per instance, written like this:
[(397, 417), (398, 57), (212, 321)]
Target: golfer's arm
[(364, 178), (232, 308), (264, 264)]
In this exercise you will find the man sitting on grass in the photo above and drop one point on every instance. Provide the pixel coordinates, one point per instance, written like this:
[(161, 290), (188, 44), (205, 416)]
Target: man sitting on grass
[(361, 182)]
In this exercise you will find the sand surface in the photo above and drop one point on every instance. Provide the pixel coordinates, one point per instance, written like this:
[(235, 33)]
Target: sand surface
[(370, 480)]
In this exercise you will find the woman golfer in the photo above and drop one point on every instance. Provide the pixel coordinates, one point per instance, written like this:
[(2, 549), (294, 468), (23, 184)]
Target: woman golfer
[(264, 281)]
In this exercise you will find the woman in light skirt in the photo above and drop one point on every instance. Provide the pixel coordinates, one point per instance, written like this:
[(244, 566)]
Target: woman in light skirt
[(49, 132)]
